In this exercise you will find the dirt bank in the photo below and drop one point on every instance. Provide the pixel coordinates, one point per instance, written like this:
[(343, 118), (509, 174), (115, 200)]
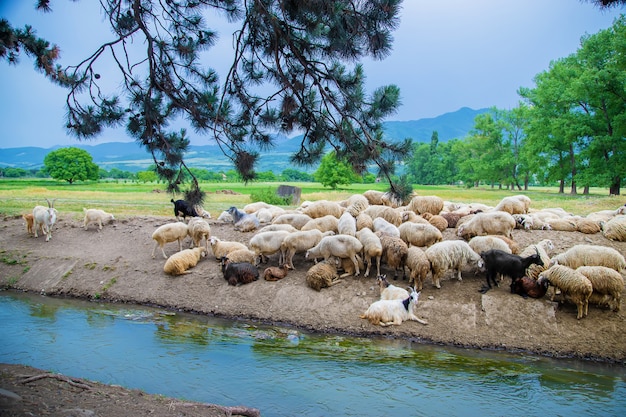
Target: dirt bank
[(115, 264)]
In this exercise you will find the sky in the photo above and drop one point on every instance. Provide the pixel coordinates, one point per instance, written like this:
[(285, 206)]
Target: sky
[(447, 54)]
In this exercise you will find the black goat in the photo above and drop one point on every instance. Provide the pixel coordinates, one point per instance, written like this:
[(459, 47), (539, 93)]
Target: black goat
[(183, 208), (500, 262), (238, 273)]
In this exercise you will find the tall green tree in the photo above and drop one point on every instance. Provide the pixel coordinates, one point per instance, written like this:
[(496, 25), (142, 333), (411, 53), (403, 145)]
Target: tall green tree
[(295, 67), (334, 171), (71, 164)]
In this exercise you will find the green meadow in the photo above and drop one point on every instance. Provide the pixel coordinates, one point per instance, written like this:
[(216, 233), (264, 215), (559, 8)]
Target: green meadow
[(132, 199)]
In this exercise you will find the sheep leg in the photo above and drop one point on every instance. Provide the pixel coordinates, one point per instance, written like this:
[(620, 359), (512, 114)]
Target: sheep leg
[(378, 265), (356, 265), (368, 261), (180, 244), (417, 319)]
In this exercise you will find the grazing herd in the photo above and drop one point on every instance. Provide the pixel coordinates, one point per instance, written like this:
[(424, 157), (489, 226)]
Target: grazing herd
[(350, 237)]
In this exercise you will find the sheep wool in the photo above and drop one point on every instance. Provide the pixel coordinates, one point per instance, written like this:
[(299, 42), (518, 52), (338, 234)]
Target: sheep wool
[(419, 266), (97, 216), (296, 220), (615, 229), (607, 283), (199, 229), (326, 223), (591, 255), (426, 204), (450, 254), (490, 223), (574, 286), (419, 234), (372, 249), (180, 262), (322, 275), (222, 248), (169, 232)]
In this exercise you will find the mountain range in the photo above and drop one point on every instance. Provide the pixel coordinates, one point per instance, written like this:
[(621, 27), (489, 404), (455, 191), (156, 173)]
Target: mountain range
[(129, 156)]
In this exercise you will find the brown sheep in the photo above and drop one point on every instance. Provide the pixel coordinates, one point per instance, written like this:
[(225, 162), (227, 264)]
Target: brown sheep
[(275, 273)]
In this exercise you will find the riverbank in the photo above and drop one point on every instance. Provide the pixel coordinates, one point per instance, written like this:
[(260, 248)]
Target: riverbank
[(115, 265)]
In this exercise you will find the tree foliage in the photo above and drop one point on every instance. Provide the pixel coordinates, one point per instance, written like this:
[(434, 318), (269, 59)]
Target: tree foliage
[(71, 164), (334, 172), (295, 68)]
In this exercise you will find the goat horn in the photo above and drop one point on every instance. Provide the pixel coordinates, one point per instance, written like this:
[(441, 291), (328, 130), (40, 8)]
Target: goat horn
[(49, 204)]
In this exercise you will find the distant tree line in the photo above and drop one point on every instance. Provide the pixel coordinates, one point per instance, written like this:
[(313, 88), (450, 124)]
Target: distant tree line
[(569, 129)]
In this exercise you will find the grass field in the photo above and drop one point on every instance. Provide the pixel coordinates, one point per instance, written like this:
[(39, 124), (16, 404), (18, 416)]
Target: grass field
[(129, 199)]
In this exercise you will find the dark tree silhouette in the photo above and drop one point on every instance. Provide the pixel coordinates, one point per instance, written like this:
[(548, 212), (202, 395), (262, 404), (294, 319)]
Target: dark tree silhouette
[(295, 68)]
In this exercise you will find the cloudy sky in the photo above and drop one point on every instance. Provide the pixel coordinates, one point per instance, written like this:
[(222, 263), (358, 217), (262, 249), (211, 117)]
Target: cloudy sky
[(447, 54)]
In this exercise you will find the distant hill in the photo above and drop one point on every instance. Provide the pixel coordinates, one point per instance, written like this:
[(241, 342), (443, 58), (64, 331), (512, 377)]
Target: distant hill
[(129, 156)]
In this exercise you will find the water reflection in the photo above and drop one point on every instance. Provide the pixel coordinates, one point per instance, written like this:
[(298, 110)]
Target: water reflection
[(284, 371)]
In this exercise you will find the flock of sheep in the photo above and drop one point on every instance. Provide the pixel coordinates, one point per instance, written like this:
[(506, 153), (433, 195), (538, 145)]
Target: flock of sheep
[(354, 236)]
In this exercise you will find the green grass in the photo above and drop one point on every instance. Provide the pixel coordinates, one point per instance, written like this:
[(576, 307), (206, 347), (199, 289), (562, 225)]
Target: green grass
[(132, 199)]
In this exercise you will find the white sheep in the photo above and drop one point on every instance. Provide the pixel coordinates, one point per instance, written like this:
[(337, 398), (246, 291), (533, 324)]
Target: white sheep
[(565, 224), (322, 275), (96, 216), (543, 248), (372, 249), (299, 242), (615, 229), (383, 226), (607, 283), (221, 248), (180, 262), (393, 216), (606, 215), (591, 255), (339, 246), (484, 243), (426, 204), (241, 255), (374, 197), (517, 204), (199, 229), (588, 226), (267, 243), (419, 234), (347, 267), (574, 286), (346, 224), (395, 252), (491, 223), (169, 232), (44, 218), (296, 220), (389, 291), (364, 220), (451, 254), (272, 227), (326, 223), (356, 204), (225, 217), (436, 220), (523, 221), (388, 312), (419, 266), (323, 208), (256, 206)]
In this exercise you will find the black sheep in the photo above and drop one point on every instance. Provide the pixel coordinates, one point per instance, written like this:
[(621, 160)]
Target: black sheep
[(500, 262), (183, 208), (238, 273)]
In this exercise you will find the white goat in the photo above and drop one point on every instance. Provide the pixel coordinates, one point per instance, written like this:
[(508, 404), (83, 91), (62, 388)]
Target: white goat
[(45, 218), (388, 312)]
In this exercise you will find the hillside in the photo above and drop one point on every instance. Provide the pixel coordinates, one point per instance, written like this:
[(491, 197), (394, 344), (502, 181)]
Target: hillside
[(129, 156)]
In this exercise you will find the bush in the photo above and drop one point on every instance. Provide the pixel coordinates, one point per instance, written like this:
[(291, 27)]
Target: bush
[(270, 196)]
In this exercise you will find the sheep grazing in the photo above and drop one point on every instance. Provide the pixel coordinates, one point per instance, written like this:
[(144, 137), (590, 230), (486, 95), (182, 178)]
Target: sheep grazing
[(323, 208), (180, 262), (199, 229), (296, 220), (339, 246), (239, 273), (383, 226), (44, 219), (419, 234), (30, 221), (506, 264), (395, 252), (591, 255), (346, 225), (491, 223), (328, 223), (222, 248), (574, 286), (372, 249), (389, 291), (364, 220), (450, 254), (426, 204), (244, 222), (356, 204), (96, 216), (185, 209), (607, 283), (322, 275), (275, 273), (529, 287), (169, 232), (267, 243), (615, 229), (299, 242), (419, 266), (393, 312), (436, 220)]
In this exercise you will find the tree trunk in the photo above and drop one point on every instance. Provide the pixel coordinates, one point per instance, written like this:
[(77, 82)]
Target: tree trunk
[(562, 186), (615, 186), (586, 190)]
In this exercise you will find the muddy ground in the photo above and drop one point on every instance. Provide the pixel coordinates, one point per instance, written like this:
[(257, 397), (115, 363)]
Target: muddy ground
[(115, 264)]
